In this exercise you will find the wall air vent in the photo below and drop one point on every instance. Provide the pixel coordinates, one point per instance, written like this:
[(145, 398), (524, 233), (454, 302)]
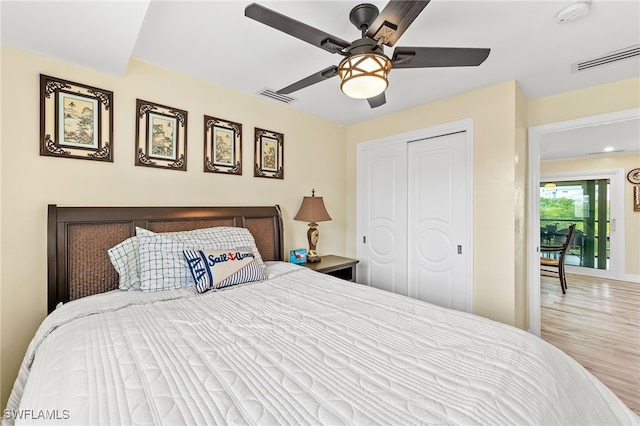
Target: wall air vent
[(275, 96), (607, 58)]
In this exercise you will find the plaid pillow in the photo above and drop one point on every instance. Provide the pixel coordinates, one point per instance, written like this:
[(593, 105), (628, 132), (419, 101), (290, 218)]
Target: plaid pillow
[(124, 256), (216, 269), (161, 264), (216, 238)]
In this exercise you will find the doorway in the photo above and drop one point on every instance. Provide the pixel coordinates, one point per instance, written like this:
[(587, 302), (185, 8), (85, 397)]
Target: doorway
[(617, 184)]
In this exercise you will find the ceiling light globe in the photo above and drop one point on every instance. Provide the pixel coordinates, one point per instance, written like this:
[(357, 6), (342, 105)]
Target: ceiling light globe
[(363, 87), (364, 75)]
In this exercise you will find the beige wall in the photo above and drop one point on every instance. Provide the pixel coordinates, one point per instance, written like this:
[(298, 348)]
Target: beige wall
[(29, 181), (501, 116), (631, 219), (496, 111), (617, 96)]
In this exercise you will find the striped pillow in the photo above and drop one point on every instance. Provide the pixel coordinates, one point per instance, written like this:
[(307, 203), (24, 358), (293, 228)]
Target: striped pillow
[(216, 269)]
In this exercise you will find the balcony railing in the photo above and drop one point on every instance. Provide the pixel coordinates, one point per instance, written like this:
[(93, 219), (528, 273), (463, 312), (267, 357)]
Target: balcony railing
[(585, 248)]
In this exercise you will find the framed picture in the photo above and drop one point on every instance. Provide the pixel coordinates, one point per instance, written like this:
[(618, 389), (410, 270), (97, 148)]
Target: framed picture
[(222, 146), (76, 120), (634, 176), (636, 198), (269, 154), (161, 136)]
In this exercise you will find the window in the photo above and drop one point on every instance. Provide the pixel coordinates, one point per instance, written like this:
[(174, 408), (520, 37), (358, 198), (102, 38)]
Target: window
[(585, 203)]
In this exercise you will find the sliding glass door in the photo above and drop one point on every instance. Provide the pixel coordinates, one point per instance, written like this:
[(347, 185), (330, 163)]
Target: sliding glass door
[(585, 203)]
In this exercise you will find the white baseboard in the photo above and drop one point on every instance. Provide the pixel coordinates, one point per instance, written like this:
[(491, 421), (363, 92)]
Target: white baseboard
[(599, 273), (631, 278)]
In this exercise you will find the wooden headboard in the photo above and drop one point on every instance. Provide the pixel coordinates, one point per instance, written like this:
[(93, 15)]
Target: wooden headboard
[(78, 239)]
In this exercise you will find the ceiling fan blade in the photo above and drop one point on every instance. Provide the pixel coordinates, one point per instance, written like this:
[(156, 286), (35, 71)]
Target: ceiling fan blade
[(297, 29), (377, 101), (394, 20), (428, 57), (312, 79)]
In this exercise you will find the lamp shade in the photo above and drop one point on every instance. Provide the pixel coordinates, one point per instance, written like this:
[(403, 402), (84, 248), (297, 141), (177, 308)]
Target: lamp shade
[(364, 75), (312, 210)]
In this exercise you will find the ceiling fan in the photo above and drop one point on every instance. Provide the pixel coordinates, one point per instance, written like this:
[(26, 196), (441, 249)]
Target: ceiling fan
[(365, 67)]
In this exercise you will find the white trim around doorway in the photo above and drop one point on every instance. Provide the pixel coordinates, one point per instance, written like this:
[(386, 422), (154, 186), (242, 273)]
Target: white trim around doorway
[(533, 232)]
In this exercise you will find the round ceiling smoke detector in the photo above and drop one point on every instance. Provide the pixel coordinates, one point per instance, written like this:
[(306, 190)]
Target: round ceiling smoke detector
[(573, 12)]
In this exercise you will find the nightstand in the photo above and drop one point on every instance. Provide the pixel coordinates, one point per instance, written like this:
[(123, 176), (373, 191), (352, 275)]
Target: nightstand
[(341, 267)]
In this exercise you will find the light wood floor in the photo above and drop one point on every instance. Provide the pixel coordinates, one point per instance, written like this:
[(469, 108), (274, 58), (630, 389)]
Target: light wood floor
[(598, 324)]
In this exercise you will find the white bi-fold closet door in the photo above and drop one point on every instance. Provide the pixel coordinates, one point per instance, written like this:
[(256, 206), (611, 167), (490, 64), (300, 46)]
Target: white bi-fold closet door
[(414, 217)]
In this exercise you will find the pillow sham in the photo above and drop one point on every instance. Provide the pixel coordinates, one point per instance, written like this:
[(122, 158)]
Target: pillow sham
[(216, 269), (161, 265), (124, 256), (218, 237)]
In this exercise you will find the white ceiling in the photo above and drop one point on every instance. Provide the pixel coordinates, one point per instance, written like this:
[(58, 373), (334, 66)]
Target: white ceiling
[(618, 138), (213, 40)]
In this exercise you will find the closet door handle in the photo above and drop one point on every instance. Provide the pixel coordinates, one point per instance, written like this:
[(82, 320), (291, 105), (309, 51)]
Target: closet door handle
[(459, 249)]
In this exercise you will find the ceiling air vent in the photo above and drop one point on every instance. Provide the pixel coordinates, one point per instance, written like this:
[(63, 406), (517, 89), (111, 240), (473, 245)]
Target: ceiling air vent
[(607, 58), (275, 96)]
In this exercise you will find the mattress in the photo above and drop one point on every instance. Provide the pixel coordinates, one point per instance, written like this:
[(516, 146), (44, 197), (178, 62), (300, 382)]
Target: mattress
[(298, 348)]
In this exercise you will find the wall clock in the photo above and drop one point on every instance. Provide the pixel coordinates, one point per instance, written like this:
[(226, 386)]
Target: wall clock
[(634, 176)]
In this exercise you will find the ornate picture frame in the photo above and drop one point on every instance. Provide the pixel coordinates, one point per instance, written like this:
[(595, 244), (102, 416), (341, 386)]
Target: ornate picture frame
[(269, 154), (634, 176), (161, 136), (76, 120), (222, 146)]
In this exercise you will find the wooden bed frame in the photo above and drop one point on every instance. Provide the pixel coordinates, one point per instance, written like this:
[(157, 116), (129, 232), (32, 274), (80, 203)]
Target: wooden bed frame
[(78, 239)]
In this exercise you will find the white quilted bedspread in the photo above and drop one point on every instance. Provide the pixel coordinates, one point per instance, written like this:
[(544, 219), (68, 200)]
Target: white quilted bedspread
[(300, 348)]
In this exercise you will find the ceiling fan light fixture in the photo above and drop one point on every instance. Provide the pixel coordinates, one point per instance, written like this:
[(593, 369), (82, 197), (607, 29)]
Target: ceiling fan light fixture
[(364, 75)]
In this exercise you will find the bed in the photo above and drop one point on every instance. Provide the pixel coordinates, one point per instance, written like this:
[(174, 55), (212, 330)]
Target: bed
[(294, 347)]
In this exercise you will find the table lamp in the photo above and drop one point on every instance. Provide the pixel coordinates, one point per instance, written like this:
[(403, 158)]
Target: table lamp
[(312, 210)]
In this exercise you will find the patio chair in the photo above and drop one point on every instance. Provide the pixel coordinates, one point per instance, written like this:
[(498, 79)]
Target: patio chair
[(555, 265)]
